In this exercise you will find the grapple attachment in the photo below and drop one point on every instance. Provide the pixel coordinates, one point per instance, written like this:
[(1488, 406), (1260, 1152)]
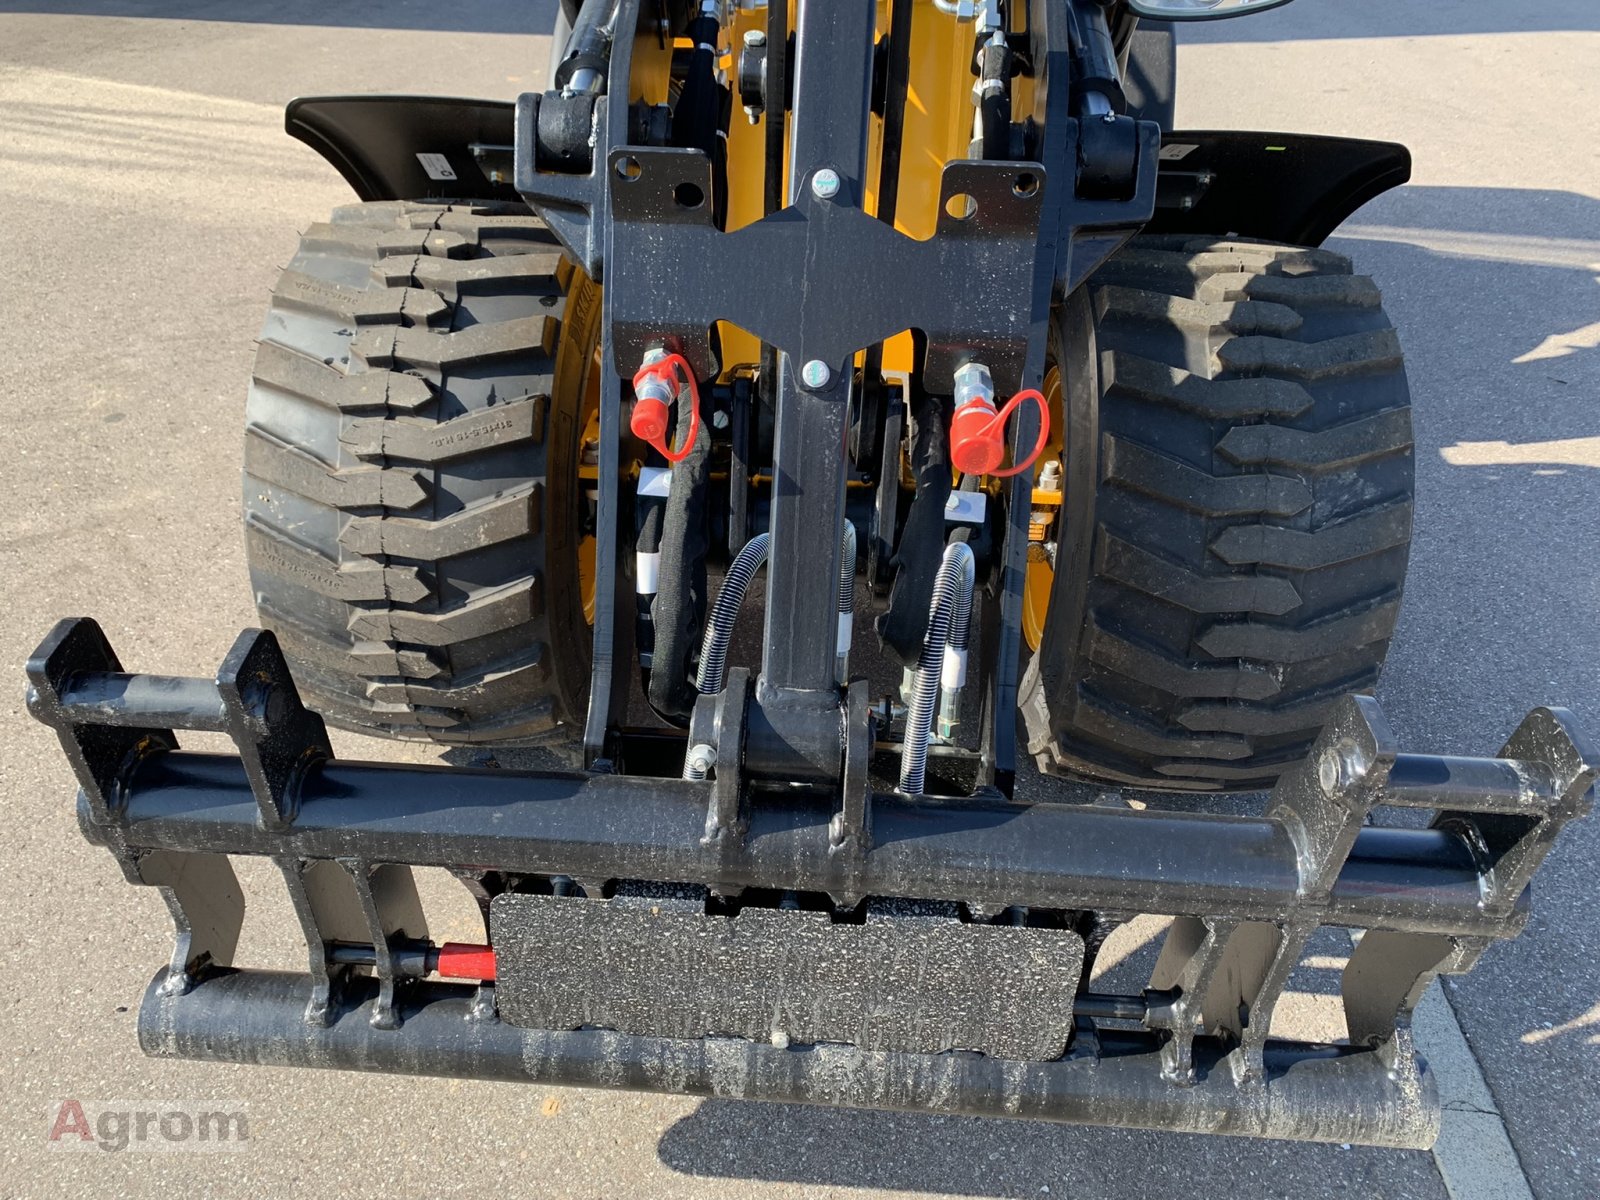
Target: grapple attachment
[(732, 938)]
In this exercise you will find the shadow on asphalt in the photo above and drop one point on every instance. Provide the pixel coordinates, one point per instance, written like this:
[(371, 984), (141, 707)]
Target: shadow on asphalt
[(965, 1156), (454, 16)]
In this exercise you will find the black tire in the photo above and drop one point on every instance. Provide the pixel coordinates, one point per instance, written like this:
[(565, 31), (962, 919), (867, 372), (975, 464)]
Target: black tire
[(1237, 514), (411, 503)]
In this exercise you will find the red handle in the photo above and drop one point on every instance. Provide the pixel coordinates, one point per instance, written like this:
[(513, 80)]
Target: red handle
[(461, 960), (649, 421)]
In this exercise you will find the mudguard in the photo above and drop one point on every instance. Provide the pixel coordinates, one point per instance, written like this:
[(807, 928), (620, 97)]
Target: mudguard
[(1278, 187), (410, 147)]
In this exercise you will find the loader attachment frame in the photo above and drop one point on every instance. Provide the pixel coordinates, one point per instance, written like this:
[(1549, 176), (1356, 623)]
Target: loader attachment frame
[(826, 938), (1192, 1052)]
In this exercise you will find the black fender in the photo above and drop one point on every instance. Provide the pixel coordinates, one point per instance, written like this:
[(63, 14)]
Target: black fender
[(1279, 187), (411, 147)]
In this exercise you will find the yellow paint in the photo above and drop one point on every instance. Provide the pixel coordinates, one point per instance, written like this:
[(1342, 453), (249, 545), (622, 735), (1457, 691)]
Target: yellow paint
[(938, 128), (1040, 580)]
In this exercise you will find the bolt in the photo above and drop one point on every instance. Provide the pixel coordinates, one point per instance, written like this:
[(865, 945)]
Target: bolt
[(719, 419), (825, 184), (1342, 765), (703, 757), (815, 375), (754, 38)]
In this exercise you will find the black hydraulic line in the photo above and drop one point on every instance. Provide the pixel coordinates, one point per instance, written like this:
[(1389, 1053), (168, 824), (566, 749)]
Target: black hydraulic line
[(719, 629), (651, 511), (699, 117), (922, 538), (679, 610), (994, 98)]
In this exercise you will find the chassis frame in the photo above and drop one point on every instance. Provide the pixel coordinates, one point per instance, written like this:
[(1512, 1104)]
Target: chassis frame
[(791, 810)]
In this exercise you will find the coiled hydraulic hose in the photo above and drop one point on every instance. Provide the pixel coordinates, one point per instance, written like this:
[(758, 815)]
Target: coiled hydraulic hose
[(953, 669), (952, 599), (719, 626), (847, 601)]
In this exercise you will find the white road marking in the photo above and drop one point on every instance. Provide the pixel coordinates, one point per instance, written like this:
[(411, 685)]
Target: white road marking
[(1474, 1153)]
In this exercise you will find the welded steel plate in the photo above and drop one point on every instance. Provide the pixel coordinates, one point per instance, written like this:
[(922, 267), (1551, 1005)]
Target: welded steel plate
[(899, 983)]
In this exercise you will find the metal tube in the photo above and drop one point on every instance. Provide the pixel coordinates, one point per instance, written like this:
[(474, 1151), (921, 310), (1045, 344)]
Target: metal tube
[(1468, 784), (622, 827), (1098, 1006), (144, 702), (589, 43), (1335, 1094)]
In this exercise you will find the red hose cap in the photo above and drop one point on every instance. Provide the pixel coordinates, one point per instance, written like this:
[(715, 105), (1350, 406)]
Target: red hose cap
[(649, 420), (651, 416), (977, 440), (978, 435)]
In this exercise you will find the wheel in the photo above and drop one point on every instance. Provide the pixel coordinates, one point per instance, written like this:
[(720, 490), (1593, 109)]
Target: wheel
[(1235, 516), (416, 526)]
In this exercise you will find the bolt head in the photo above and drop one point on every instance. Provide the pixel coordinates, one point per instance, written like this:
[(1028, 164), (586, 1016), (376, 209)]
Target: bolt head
[(815, 374), (719, 419), (825, 184), (754, 37), (703, 756)]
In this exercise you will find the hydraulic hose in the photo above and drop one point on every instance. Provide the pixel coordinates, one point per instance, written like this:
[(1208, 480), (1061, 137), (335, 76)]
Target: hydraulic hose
[(953, 583), (647, 575), (847, 601), (953, 668), (719, 626)]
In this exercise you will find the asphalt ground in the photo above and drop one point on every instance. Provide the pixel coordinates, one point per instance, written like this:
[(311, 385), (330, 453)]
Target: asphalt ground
[(148, 197)]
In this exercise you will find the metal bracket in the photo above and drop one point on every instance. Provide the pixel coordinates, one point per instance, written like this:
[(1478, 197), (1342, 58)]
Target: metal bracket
[(855, 279)]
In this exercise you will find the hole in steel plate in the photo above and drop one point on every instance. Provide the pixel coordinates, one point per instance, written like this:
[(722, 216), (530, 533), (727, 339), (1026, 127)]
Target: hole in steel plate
[(628, 168), (1026, 184), (689, 195), (962, 206)]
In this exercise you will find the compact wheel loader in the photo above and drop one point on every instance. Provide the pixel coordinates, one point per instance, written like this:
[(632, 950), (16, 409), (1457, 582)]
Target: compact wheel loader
[(1048, 441)]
